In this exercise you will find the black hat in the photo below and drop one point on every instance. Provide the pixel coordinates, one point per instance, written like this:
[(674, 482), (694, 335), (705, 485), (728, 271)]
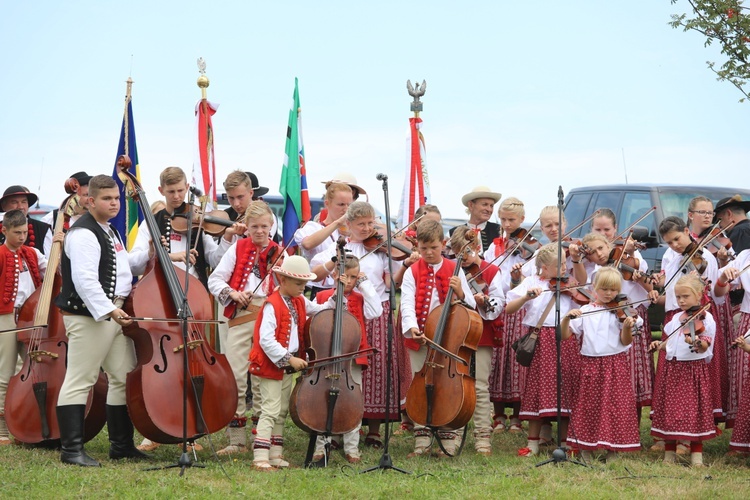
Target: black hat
[(258, 190), (18, 190), (730, 202), (82, 177)]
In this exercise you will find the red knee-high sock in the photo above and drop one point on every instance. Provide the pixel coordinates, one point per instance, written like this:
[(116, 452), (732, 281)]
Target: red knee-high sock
[(670, 446), (696, 447)]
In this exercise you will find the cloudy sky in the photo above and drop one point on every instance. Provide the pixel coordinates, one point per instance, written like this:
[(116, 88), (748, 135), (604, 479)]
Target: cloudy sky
[(521, 96)]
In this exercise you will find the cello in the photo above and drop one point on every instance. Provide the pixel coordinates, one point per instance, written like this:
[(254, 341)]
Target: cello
[(326, 400), (156, 389), (442, 394), (32, 393)]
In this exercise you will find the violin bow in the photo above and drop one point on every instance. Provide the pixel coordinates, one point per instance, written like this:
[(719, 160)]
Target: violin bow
[(744, 337), (708, 238), (605, 309), (33, 327), (684, 262), (321, 362), (505, 255), (619, 259), (442, 350), (683, 323), (203, 201), (580, 225), (394, 233)]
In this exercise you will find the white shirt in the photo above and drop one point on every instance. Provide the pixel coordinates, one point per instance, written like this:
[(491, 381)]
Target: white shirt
[(409, 296), (25, 281), (222, 274), (496, 293), (308, 229), (670, 263), (743, 280), (139, 253), (373, 307), (679, 350), (267, 332), (600, 332), (535, 307), (84, 252)]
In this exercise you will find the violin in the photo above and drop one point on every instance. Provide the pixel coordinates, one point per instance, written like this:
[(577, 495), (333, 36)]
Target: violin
[(716, 239), (376, 242), (627, 264), (524, 245), (622, 313), (477, 284), (567, 241), (694, 260), (570, 287), (158, 389), (214, 224), (326, 400)]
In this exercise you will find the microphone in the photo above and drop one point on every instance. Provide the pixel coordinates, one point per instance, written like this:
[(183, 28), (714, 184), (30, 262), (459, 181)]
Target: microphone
[(382, 177), (197, 192)]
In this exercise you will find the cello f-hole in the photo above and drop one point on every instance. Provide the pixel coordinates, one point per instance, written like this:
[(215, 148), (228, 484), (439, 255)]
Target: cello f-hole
[(162, 340)]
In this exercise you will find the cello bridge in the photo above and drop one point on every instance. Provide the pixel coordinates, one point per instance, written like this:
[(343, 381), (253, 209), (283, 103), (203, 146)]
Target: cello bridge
[(432, 364), (38, 355), (333, 376), (193, 344)]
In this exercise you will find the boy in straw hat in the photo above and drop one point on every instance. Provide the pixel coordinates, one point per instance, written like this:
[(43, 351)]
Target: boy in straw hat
[(480, 204), (276, 342)]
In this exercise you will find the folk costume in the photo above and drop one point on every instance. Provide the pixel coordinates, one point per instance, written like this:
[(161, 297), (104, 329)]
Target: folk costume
[(96, 280), (21, 272), (242, 268)]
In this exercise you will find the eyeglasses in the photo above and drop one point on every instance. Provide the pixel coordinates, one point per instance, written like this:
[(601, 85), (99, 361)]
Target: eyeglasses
[(701, 212)]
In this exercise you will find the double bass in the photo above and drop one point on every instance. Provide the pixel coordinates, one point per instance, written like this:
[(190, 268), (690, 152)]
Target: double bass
[(442, 394), (326, 400), (31, 399), (154, 389)]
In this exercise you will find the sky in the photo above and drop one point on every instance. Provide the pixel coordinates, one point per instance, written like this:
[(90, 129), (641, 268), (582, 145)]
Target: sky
[(522, 97)]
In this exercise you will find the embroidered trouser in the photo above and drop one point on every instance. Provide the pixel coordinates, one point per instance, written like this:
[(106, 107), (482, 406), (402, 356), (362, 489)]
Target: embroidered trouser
[(93, 345)]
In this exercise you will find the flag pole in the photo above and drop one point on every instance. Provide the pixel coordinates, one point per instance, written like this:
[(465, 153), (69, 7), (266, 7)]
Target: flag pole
[(126, 126), (416, 184)]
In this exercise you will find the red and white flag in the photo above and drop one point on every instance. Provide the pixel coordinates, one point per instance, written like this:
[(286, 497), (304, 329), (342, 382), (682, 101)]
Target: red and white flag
[(205, 180), (416, 182)]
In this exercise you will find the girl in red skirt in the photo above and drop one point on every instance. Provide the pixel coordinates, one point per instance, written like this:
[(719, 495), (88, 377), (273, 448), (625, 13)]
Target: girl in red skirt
[(604, 415), (682, 407), (539, 399)]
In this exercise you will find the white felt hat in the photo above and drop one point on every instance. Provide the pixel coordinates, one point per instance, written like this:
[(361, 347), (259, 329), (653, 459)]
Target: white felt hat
[(295, 267)]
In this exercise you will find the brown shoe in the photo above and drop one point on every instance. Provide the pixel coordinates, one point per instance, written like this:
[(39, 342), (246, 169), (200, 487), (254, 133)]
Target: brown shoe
[(264, 466), (352, 459)]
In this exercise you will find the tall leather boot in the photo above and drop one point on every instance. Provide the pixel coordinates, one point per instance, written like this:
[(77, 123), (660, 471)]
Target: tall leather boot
[(120, 429), (70, 419)]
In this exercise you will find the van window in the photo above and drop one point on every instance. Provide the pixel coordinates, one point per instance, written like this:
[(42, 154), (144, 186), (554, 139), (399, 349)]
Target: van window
[(634, 205), (576, 209)]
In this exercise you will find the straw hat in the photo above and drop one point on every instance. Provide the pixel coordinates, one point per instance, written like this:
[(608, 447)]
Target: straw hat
[(480, 192), (349, 179), (295, 267)]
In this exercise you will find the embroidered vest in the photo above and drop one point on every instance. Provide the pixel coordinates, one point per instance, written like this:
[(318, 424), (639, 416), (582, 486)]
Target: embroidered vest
[(355, 304), (248, 258), (441, 280), (69, 300), (260, 364), (10, 271)]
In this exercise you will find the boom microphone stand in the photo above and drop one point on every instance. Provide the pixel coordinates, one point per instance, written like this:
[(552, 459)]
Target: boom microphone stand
[(385, 460), (559, 455)]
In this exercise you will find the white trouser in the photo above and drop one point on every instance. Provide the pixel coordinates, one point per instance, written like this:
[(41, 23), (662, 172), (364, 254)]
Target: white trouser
[(93, 345), (351, 438), (8, 355), (483, 410), (274, 406), (237, 348)]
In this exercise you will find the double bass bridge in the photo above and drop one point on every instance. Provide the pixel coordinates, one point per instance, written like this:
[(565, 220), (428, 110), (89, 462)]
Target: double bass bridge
[(38, 355), (193, 344), (432, 364)]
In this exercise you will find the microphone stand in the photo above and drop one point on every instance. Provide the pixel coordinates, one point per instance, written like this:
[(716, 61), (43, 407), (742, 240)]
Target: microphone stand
[(185, 462), (385, 460), (560, 454)]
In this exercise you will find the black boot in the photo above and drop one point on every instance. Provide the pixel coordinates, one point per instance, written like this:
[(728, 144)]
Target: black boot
[(70, 419), (120, 430)]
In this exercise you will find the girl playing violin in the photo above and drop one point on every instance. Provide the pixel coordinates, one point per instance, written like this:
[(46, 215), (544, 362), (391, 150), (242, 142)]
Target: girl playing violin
[(539, 398), (364, 304), (604, 415), (360, 220), (316, 237), (490, 301), (682, 407), (636, 289), (507, 377)]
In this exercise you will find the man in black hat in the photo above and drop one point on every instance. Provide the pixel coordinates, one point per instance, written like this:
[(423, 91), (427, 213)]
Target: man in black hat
[(79, 183), (20, 198), (729, 210)]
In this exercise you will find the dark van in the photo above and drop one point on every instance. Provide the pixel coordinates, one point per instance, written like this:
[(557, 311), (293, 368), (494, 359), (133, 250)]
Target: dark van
[(631, 201)]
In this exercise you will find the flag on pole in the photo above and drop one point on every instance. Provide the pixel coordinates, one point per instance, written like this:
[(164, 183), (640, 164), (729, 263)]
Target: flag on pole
[(206, 181), (416, 183), (130, 216), (293, 187)]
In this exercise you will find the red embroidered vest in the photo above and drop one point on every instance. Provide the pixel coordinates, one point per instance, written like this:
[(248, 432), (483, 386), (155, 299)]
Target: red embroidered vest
[(355, 304), (10, 270), (247, 255), (260, 364), (421, 270)]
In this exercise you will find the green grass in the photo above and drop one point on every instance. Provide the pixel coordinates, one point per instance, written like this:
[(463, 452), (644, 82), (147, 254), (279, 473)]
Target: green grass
[(34, 473)]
